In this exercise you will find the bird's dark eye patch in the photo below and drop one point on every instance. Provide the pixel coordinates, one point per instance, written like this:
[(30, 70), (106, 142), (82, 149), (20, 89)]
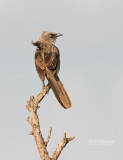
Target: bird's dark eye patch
[(51, 35)]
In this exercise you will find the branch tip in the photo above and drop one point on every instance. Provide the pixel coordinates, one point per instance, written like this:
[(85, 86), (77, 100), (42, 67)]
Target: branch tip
[(64, 136), (31, 133), (31, 98), (28, 120), (71, 138), (49, 135)]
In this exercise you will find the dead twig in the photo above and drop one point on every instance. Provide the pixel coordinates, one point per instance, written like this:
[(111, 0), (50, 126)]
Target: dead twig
[(49, 135), (32, 106), (62, 145)]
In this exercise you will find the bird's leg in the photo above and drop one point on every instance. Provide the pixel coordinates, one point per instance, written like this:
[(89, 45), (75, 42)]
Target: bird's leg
[(48, 86), (43, 86)]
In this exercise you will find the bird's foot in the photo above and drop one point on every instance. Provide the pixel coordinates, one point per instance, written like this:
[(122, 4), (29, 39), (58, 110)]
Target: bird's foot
[(43, 87), (47, 87)]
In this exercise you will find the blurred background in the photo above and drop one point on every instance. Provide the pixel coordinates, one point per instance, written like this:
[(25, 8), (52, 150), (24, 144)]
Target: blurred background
[(91, 71)]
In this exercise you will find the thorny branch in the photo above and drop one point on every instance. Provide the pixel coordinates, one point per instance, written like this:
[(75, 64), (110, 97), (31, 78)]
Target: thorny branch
[(32, 106)]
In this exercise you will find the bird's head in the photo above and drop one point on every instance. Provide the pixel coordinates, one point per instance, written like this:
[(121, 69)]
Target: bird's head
[(49, 37)]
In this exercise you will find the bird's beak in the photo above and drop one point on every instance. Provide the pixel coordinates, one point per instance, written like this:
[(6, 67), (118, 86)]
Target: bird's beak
[(59, 34)]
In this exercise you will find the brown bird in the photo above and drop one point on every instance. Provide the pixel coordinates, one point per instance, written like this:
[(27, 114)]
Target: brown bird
[(47, 62)]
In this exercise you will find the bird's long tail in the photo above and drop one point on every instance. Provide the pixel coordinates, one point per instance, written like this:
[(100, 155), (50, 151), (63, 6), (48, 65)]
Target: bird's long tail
[(58, 90)]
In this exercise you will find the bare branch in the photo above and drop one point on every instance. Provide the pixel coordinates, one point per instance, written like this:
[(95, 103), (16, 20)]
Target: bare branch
[(49, 135), (28, 120), (31, 133), (32, 106), (62, 145), (41, 95), (71, 138)]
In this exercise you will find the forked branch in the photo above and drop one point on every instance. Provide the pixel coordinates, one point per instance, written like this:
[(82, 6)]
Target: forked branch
[(62, 145), (32, 106)]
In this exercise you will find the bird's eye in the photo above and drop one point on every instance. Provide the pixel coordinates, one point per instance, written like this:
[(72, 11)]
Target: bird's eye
[(50, 35)]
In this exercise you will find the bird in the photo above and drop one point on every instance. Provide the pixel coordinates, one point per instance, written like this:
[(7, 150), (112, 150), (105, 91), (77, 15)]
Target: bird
[(47, 63)]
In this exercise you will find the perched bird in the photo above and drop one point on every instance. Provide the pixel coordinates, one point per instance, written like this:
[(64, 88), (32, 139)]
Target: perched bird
[(47, 62)]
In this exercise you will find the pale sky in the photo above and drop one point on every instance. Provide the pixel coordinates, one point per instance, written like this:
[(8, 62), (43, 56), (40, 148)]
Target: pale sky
[(91, 70)]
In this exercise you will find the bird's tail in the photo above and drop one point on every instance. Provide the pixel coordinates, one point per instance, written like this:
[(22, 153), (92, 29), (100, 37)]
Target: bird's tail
[(58, 90)]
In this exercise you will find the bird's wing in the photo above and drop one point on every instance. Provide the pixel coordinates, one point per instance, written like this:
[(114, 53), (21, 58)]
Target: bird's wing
[(51, 57), (39, 64), (40, 72), (39, 59)]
